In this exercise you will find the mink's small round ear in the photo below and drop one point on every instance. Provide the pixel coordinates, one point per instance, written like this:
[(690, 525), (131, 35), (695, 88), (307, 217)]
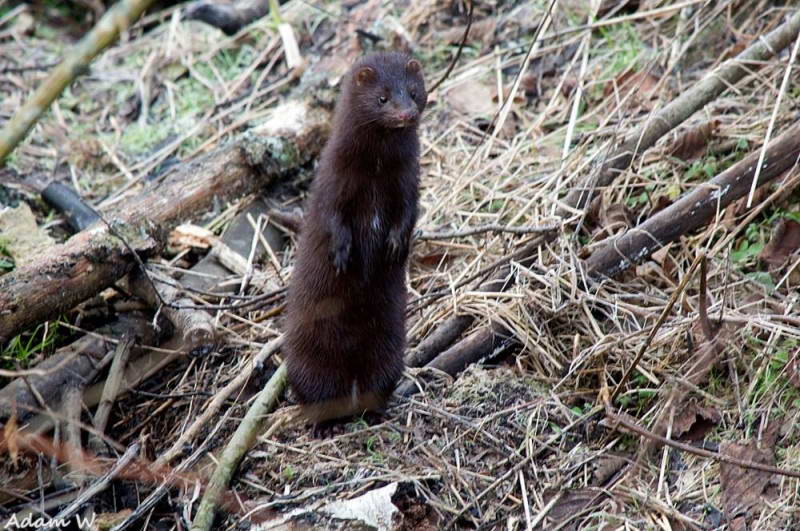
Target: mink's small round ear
[(413, 66), (365, 75)]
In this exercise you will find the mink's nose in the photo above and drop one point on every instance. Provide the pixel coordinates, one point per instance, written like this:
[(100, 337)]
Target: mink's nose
[(407, 116)]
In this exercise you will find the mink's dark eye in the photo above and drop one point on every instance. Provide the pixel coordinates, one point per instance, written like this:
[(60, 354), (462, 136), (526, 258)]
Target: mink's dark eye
[(382, 99), (413, 94)]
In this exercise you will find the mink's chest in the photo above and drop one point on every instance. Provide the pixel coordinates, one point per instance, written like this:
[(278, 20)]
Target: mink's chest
[(371, 211)]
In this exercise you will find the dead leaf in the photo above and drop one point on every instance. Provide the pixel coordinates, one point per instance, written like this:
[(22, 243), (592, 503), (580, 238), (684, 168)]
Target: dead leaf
[(607, 466), (739, 207), (481, 31), (660, 202), (637, 89), (707, 353), (10, 438), (519, 96), (615, 218), (21, 236), (568, 86), (735, 49), (571, 502), (742, 488), (472, 98), (666, 261), (692, 143), (693, 422), (784, 242)]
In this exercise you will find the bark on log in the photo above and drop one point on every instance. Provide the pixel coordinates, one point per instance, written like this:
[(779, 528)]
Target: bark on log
[(677, 111), (94, 259), (696, 208)]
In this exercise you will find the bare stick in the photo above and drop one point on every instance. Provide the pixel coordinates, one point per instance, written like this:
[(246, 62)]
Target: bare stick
[(694, 209), (241, 441), (493, 227), (108, 28), (111, 389)]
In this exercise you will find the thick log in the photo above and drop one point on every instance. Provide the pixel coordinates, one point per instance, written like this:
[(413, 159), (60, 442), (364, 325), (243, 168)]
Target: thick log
[(95, 258), (696, 208)]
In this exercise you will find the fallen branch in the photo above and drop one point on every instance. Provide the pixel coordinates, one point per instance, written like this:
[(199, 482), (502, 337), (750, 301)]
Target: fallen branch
[(694, 209), (681, 108), (106, 31), (475, 347), (502, 280), (75, 364), (494, 227), (110, 391), (97, 486)]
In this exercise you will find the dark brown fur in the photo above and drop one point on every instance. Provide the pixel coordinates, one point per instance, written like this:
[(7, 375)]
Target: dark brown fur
[(345, 325)]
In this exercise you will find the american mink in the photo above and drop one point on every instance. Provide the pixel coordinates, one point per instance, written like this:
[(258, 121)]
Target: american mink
[(345, 322)]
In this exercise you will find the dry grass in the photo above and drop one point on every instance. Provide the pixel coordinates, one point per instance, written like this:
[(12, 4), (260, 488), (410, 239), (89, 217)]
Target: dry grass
[(514, 444)]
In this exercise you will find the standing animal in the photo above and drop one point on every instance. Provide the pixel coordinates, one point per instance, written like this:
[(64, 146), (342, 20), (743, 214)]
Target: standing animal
[(345, 322)]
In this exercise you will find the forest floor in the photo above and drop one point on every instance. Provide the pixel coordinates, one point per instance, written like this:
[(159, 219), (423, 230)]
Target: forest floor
[(517, 441)]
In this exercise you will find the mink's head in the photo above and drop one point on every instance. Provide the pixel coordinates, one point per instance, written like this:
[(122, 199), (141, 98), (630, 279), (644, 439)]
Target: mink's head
[(387, 90)]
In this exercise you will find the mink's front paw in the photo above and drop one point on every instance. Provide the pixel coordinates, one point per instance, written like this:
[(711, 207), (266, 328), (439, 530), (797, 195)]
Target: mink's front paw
[(396, 245), (340, 254)]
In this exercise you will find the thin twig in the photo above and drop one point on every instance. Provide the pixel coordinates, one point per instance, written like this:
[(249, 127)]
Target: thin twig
[(663, 317), (702, 452), (492, 227), (460, 48)]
